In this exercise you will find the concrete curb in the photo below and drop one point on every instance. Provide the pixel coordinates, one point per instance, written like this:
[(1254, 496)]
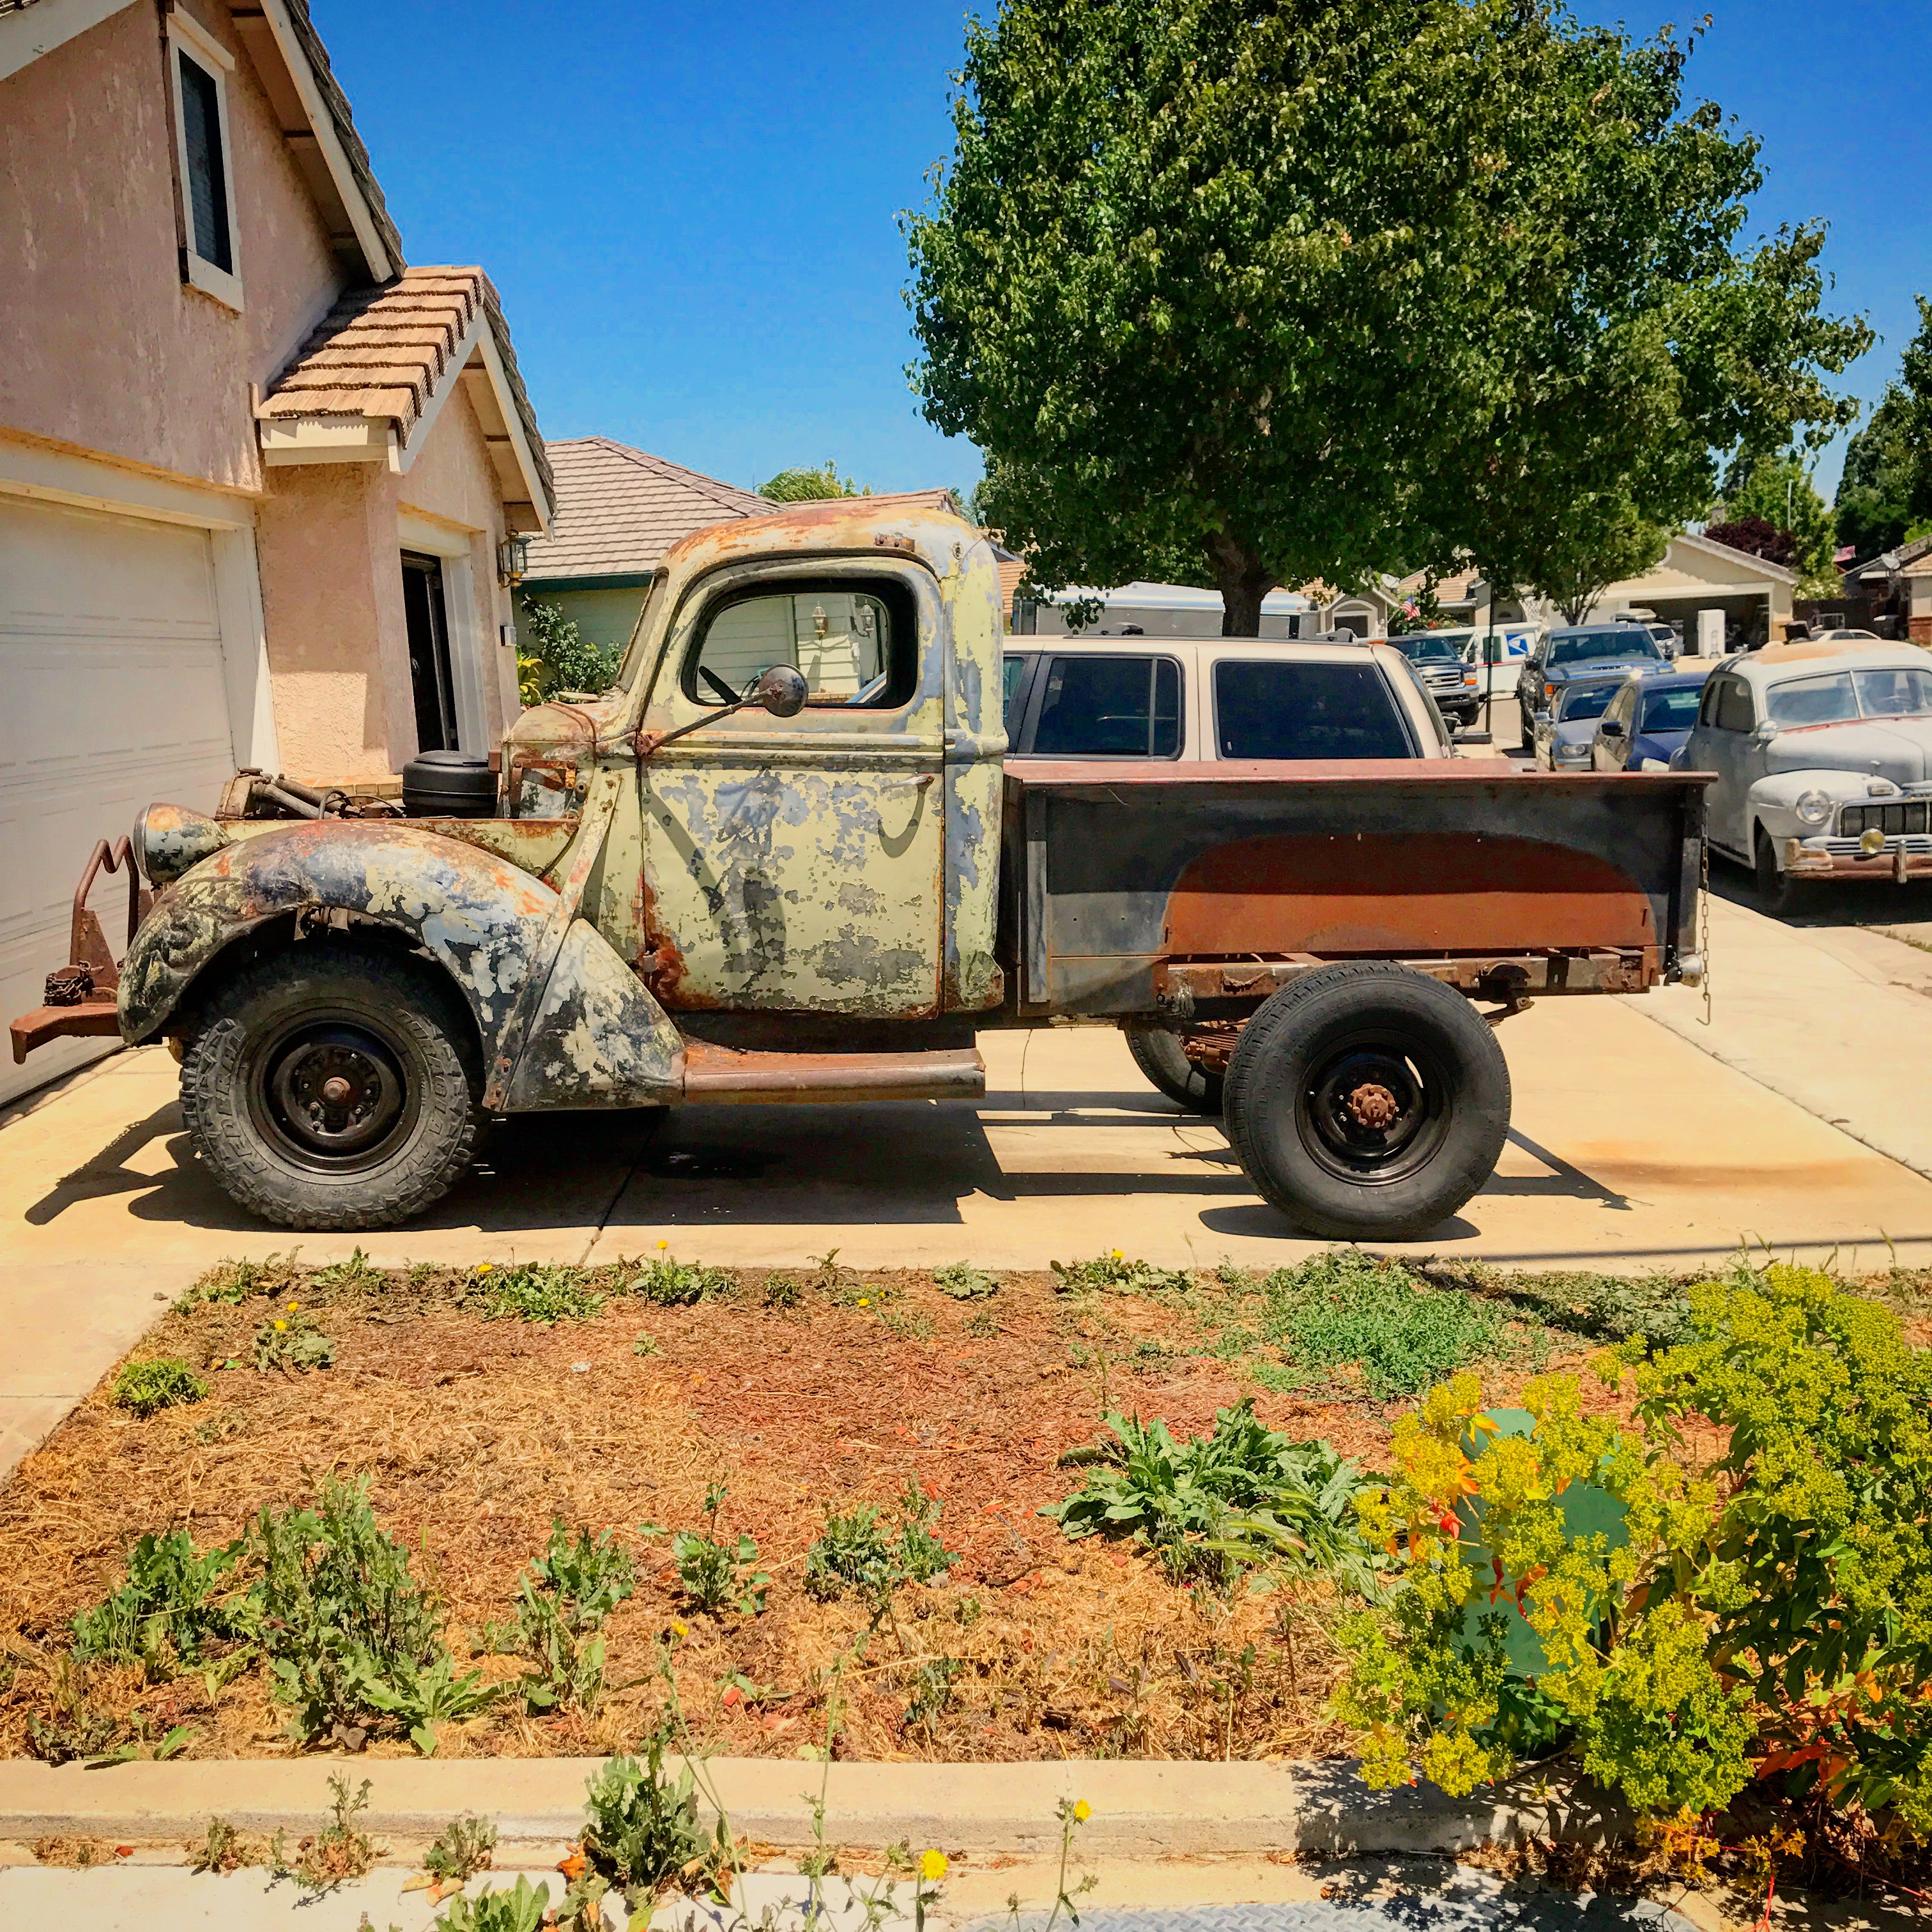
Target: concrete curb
[(1142, 1809)]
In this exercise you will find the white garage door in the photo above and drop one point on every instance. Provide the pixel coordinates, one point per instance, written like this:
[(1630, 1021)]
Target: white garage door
[(111, 695)]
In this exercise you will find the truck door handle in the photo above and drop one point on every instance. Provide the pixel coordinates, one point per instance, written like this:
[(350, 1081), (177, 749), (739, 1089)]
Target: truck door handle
[(919, 784)]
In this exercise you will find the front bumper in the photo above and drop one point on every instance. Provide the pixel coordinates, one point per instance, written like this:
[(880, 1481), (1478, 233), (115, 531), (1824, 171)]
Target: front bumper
[(1904, 859)]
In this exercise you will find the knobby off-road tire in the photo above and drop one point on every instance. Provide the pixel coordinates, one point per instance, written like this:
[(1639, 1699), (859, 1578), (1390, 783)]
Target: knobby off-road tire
[(1159, 1054), (1367, 1102), (334, 1088)]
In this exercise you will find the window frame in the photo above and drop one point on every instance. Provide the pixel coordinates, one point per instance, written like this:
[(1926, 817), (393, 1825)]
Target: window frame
[(1029, 663), (1720, 689), (883, 586), (188, 40), (1405, 722), (1042, 676)]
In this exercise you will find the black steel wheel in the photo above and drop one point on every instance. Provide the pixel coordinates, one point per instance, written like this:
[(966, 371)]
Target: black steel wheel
[(1160, 1055), (331, 1087), (1367, 1101)]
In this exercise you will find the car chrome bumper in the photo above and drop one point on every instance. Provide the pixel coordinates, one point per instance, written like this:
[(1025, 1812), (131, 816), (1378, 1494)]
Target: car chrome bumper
[(1902, 860)]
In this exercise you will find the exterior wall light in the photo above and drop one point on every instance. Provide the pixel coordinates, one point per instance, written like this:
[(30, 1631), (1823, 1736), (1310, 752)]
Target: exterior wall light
[(513, 559)]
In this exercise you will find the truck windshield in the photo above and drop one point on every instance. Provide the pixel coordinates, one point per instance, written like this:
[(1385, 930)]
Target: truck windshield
[(1430, 650), (1625, 641), (1290, 710)]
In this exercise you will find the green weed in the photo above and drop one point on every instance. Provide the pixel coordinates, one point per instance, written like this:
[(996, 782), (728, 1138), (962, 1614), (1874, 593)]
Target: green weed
[(341, 1850), (522, 1907), (857, 1552), (641, 1829), (932, 1696), (782, 1291), (358, 1274), (715, 1574), (537, 1292), (675, 1284), (906, 1325), (465, 1848), (983, 1324), (562, 1603), (147, 1387), (1114, 1273), (233, 1281), (167, 1612), (291, 1343), (963, 1281)]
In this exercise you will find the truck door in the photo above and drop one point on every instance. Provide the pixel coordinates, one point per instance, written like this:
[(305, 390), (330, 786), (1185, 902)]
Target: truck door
[(796, 864)]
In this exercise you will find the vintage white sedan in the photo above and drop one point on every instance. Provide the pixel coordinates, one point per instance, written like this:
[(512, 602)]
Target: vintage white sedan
[(1823, 754)]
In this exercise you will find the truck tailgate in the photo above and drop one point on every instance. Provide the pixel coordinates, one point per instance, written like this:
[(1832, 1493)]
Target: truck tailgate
[(1113, 873)]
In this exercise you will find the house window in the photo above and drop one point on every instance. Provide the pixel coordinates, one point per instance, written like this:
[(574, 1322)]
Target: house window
[(204, 160)]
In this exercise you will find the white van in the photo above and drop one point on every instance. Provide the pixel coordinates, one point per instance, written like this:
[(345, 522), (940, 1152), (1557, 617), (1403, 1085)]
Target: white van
[(1195, 699)]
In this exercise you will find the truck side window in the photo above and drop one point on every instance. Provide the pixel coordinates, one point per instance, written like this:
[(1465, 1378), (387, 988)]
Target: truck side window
[(1012, 692), (1119, 707), (1288, 710), (855, 643), (1732, 710)]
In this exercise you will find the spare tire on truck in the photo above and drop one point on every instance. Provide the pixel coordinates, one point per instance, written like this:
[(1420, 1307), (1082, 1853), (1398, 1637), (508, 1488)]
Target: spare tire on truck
[(1367, 1101), (1160, 1055)]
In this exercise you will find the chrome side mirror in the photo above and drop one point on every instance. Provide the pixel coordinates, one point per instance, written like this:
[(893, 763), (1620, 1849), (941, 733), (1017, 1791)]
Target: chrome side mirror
[(782, 690)]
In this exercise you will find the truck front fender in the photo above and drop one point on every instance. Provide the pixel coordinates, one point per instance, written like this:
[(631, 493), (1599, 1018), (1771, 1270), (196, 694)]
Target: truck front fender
[(499, 934)]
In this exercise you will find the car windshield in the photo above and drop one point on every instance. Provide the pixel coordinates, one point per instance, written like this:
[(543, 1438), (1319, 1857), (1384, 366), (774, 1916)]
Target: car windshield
[(1627, 640), (1586, 701), (1839, 696), (1672, 710), (1430, 650)]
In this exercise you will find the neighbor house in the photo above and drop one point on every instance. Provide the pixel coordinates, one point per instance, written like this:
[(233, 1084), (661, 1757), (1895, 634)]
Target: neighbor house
[(260, 480)]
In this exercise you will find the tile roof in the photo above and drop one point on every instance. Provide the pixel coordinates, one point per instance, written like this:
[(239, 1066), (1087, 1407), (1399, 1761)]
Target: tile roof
[(619, 510), (387, 351)]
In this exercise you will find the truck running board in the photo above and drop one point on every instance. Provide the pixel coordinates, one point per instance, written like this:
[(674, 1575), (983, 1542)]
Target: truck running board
[(717, 1075)]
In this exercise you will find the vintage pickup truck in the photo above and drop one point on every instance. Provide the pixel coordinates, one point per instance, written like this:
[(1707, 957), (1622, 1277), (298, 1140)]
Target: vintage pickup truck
[(782, 861)]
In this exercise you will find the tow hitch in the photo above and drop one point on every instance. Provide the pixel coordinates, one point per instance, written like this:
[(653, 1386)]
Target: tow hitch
[(80, 996)]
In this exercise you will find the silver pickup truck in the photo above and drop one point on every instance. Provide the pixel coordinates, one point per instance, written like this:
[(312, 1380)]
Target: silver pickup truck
[(783, 860)]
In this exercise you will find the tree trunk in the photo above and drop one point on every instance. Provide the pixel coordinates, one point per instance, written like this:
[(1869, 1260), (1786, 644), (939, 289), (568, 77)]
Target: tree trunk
[(1243, 581)]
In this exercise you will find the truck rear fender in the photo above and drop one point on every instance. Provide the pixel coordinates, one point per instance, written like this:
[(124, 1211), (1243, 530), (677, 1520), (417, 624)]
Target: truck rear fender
[(526, 971)]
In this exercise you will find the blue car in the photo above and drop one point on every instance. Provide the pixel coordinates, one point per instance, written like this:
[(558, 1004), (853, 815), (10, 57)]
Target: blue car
[(1580, 650), (1647, 720), (1562, 737)]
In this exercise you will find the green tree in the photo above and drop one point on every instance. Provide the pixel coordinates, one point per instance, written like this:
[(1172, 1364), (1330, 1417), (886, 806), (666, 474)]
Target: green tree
[(1884, 495), (810, 486), (1259, 291), (1779, 489)]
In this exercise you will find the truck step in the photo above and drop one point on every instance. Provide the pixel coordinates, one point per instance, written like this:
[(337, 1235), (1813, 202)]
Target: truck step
[(717, 1075)]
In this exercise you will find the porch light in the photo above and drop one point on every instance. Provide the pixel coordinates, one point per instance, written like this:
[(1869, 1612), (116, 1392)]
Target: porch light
[(513, 560)]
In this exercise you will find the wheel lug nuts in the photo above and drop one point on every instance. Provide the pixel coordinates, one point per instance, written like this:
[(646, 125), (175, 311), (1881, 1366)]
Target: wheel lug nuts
[(335, 1090)]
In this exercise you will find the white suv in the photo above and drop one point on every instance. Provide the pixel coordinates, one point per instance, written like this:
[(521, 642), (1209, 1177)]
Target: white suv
[(1196, 701)]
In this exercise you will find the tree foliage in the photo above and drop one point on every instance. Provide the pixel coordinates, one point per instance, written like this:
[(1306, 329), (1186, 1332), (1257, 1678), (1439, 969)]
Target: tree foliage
[(1262, 293), (560, 658), (810, 486), (1884, 495)]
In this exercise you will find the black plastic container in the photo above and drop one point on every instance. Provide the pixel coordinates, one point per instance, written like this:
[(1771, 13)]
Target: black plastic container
[(449, 785)]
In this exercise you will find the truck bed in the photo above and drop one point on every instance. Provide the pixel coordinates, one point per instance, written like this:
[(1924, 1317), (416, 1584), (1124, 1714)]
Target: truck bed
[(1146, 888)]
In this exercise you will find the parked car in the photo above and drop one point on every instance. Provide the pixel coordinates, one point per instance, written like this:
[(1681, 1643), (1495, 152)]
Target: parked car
[(1823, 758), (1647, 722), (1578, 650), (1438, 657), (1195, 699), (1564, 732)]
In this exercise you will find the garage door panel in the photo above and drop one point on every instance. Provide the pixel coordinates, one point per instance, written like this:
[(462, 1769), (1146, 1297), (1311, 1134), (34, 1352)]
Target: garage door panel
[(111, 661)]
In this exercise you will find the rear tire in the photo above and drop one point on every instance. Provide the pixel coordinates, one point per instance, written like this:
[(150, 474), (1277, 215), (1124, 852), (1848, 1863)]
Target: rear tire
[(332, 1089), (1775, 891), (1367, 1102), (1160, 1055)]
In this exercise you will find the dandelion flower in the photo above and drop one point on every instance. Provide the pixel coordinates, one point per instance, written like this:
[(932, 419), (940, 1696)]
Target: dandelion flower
[(293, 1305), (932, 1866), (1117, 1255), (679, 1627), (664, 1244), (281, 1324), (1082, 1812), (483, 1267)]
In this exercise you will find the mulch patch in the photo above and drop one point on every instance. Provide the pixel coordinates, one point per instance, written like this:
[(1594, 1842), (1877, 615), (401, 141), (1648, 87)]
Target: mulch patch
[(475, 1433)]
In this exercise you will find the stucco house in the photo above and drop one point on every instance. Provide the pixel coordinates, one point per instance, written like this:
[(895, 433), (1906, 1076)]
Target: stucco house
[(257, 475), (1898, 585)]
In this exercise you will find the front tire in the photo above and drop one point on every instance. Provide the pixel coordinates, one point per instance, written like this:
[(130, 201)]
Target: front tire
[(1367, 1102), (1775, 890), (1160, 1055), (333, 1089)]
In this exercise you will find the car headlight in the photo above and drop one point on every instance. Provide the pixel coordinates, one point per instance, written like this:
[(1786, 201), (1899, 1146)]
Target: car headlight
[(1814, 807), (1573, 754), (168, 839)]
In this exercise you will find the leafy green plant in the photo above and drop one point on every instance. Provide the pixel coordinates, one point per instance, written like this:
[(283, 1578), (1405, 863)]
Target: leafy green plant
[(782, 1291), (291, 1343), (559, 658), (856, 1551), (149, 1387), (931, 1695), (537, 1292), (1343, 1308), (1244, 1495), (519, 1908), (359, 1273), (351, 1637), (672, 1283), (963, 1281), (1115, 1274), (715, 1574), (562, 1603), (982, 1323), (906, 1324), (464, 1848), (233, 1281), (642, 1829), (169, 1609), (223, 1849), (75, 1730)]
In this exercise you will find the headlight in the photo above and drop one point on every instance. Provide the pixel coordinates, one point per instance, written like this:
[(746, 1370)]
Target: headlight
[(1814, 807), (169, 838), (1573, 754)]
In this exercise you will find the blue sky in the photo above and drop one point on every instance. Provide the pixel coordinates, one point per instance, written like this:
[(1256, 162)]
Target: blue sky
[(690, 211)]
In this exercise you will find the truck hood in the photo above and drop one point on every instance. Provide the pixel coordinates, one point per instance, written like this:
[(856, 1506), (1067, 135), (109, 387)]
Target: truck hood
[(1899, 748)]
